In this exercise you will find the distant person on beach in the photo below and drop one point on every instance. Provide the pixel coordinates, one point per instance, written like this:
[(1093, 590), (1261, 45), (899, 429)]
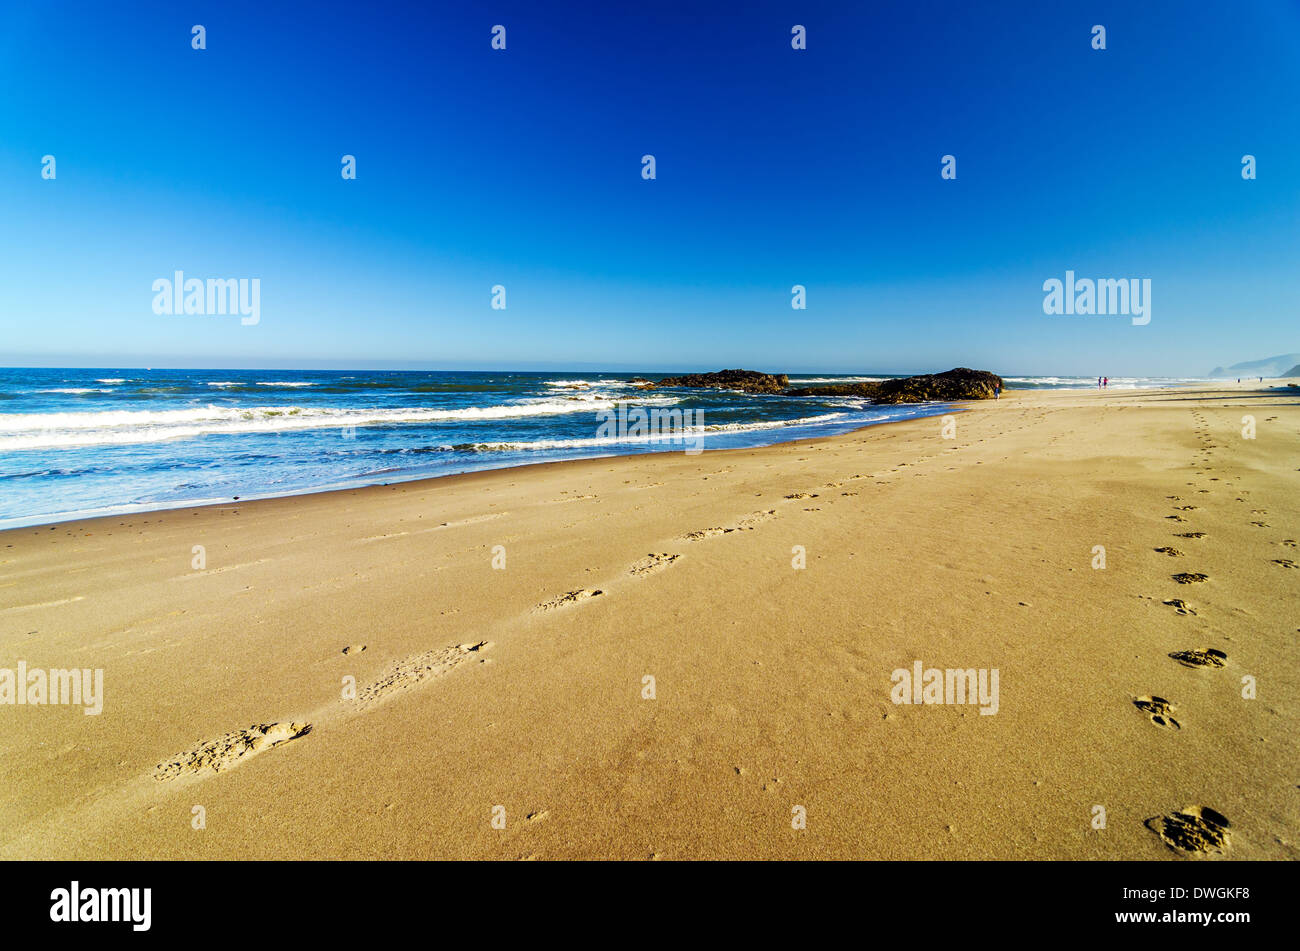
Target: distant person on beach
[(997, 391), (1098, 382), (1105, 382)]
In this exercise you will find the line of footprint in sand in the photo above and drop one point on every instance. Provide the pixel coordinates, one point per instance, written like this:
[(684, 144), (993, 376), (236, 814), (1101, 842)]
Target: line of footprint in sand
[(237, 747), (234, 748), (1193, 830), (658, 561), (655, 562)]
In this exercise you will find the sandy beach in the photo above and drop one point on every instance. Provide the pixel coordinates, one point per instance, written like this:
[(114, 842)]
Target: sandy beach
[(457, 668)]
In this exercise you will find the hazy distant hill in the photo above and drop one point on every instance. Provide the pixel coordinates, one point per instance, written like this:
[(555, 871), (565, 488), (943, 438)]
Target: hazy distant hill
[(1281, 365)]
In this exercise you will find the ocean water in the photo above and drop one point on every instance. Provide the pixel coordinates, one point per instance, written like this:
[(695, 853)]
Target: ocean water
[(96, 442)]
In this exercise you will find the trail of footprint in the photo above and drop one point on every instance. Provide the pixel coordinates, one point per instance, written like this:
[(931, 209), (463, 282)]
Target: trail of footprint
[(743, 525), (1201, 657), (472, 520), (416, 669), (205, 572), (1193, 830), (653, 562), (228, 751), (573, 597), (1159, 710), (705, 533)]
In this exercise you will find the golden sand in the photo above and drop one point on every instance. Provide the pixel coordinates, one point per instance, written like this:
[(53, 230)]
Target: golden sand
[(399, 671)]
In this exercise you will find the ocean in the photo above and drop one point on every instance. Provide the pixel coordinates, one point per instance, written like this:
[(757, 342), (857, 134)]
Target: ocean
[(78, 442)]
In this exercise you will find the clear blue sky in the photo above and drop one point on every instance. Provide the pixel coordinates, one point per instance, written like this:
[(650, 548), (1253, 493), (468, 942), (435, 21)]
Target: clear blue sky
[(775, 167)]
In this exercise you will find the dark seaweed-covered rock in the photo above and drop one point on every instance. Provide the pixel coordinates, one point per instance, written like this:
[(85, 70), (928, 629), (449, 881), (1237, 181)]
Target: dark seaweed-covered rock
[(749, 381), (952, 385)]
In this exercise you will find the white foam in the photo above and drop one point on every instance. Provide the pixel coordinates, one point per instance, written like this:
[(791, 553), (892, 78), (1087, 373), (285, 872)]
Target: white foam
[(122, 427), (587, 383)]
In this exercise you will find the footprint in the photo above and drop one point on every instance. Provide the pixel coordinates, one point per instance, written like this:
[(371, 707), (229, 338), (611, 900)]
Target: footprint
[(1159, 710), (802, 495), (1288, 542), (1189, 534), (227, 751), (755, 518), (1181, 606), (1175, 518), (1185, 508), (705, 533), (1260, 524), (416, 669), (745, 524), (653, 562), (1171, 552), (1207, 657), (1194, 830), (1190, 577), (573, 597), (354, 648), (1285, 563)]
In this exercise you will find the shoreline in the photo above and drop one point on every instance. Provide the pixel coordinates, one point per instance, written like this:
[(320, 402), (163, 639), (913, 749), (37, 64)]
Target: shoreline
[(121, 512), (347, 485), (522, 686)]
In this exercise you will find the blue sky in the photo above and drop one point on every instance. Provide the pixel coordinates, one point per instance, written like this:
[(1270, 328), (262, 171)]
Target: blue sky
[(775, 167)]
